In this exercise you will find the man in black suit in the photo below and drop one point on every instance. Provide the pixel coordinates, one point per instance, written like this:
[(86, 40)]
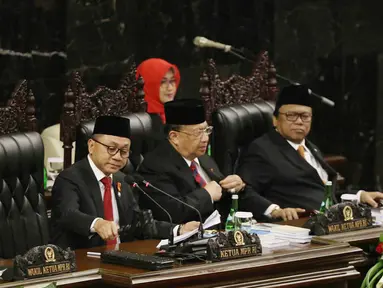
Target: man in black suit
[(286, 171), (90, 199), (180, 167)]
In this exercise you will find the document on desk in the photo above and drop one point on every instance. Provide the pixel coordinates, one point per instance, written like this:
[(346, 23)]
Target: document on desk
[(2, 271), (213, 219)]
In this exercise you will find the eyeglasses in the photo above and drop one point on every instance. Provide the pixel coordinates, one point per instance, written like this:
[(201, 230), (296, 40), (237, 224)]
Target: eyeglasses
[(197, 134), (167, 82), (293, 116), (112, 150)]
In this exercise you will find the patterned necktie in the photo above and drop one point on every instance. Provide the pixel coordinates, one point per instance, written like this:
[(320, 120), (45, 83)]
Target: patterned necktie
[(196, 175), (108, 207), (301, 151)]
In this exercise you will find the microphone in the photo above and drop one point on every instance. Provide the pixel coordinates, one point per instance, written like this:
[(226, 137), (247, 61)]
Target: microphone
[(141, 179), (131, 181), (203, 42)]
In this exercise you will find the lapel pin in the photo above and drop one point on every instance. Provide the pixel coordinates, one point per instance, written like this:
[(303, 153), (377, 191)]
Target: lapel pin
[(119, 189)]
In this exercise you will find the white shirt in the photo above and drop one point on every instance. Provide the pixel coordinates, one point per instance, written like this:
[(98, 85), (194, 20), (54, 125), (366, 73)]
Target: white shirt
[(309, 157), (199, 169), (99, 175)]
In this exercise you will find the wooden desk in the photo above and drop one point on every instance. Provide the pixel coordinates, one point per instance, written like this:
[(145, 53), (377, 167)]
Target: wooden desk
[(295, 266), (355, 238)]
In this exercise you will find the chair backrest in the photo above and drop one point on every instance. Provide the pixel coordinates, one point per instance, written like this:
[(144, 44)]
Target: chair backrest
[(19, 113), (80, 106), (217, 93), (141, 129), (235, 127), (23, 217)]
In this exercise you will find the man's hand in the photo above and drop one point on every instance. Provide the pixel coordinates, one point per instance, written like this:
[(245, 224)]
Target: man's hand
[(108, 230), (371, 198), (214, 190), (233, 183), (190, 226), (287, 213)]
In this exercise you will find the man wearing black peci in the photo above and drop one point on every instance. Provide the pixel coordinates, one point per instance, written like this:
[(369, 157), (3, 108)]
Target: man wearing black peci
[(286, 171), (180, 167), (90, 199)]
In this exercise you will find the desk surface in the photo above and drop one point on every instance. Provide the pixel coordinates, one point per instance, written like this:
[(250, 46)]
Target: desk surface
[(295, 265)]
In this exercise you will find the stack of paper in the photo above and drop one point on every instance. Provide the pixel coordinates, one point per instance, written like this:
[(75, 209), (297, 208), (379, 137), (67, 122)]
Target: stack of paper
[(285, 233), (270, 241), (291, 233), (213, 219)]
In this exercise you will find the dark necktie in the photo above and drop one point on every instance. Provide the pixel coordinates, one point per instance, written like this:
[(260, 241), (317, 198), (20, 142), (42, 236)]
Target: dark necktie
[(108, 207), (196, 175)]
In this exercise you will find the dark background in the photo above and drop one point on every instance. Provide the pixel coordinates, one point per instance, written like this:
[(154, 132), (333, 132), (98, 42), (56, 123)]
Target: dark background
[(334, 46)]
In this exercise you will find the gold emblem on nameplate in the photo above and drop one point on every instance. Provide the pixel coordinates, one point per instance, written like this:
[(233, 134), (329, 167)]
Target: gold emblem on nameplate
[(49, 254), (347, 213), (238, 238)]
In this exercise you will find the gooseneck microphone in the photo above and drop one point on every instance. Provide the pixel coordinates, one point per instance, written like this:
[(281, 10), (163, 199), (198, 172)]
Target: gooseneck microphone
[(203, 42), (131, 181), (141, 179)]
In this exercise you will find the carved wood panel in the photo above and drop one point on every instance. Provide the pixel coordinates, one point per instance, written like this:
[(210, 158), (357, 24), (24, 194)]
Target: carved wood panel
[(80, 106), (19, 113), (217, 93)]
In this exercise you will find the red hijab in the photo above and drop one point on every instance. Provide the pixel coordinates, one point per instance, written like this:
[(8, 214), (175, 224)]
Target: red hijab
[(153, 70)]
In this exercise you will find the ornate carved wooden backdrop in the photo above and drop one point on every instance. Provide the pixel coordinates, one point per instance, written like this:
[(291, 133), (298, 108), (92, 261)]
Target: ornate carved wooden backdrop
[(19, 113), (81, 106), (217, 93)]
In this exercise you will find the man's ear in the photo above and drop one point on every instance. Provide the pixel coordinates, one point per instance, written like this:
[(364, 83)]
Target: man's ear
[(90, 146), (275, 121), (173, 137)]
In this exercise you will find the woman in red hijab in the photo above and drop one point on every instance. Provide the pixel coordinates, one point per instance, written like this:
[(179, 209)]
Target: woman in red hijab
[(161, 80)]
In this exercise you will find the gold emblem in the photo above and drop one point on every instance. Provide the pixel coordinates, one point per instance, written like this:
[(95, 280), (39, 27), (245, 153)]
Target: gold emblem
[(49, 254), (347, 213), (238, 238)]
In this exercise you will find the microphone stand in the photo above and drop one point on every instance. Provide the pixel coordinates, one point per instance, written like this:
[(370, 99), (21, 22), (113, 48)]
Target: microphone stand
[(238, 53), (200, 228), (171, 234)]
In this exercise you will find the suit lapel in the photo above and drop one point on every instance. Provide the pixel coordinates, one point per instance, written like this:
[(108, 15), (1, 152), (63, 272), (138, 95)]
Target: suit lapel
[(293, 156), (180, 163), (94, 186), (123, 197), (211, 170), (319, 158)]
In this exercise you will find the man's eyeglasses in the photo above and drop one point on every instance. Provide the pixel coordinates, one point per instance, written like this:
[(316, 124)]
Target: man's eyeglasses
[(112, 150), (293, 116), (197, 134), (167, 82)]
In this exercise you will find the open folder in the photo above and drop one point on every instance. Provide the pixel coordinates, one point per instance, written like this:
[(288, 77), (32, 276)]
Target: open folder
[(213, 219)]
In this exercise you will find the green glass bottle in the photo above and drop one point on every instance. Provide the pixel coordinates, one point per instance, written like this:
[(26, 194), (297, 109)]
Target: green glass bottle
[(229, 226), (209, 149), (45, 178), (327, 200)]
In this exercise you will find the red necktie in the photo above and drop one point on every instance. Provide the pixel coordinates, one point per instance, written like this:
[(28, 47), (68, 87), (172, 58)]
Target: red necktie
[(108, 207), (197, 176)]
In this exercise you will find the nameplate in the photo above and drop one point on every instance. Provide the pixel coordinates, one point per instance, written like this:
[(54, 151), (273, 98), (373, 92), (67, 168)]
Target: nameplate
[(238, 252), (46, 260), (342, 217), (348, 226), (48, 269), (233, 245)]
